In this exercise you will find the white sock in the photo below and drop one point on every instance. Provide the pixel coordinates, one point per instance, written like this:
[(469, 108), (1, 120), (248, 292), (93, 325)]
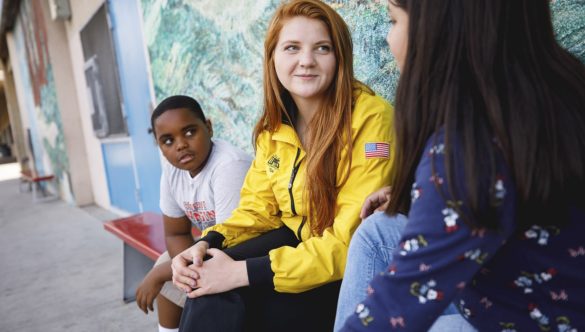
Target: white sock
[(164, 329)]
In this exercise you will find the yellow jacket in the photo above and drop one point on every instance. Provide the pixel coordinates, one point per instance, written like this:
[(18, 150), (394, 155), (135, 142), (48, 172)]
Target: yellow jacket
[(266, 203)]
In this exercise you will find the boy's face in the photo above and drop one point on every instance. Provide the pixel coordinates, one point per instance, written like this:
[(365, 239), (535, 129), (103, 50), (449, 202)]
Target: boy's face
[(184, 139)]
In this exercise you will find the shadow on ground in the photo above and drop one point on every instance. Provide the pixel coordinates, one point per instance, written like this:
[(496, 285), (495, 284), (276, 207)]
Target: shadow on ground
[(60, 271)]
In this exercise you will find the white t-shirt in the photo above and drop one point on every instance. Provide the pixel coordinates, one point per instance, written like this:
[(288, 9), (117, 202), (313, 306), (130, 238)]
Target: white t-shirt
[(211, 195)]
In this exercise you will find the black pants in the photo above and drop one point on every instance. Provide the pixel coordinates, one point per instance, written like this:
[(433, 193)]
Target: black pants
[(262, 308)]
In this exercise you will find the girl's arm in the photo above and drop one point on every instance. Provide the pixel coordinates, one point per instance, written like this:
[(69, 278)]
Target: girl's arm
[(437, 257), (257, 211), (321, 259)]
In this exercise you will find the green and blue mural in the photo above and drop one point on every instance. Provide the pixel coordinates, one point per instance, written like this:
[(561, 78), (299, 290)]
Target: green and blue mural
[(213, 50), (46, 139), (569, 23)]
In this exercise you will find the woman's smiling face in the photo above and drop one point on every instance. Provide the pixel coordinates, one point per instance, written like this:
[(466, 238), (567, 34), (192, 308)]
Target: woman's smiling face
[(304, 58)]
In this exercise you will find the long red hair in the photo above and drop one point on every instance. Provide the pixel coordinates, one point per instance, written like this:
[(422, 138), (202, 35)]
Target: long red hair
[(330, 128)]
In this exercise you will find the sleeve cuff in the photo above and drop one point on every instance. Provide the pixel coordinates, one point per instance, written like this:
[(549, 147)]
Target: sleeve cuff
[(215, 239), (259, 272)]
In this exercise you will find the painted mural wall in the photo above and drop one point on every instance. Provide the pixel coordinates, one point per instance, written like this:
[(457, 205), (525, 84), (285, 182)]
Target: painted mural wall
[(42, 112), (212, 50)]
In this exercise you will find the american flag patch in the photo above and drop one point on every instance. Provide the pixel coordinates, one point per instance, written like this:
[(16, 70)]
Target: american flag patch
[(377, 150)]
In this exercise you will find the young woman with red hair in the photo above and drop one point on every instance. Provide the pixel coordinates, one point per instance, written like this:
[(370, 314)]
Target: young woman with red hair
[(323, 143)]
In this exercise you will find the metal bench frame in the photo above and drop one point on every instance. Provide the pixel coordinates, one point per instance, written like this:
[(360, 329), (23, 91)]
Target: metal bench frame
[(143, 242), (35, 184)]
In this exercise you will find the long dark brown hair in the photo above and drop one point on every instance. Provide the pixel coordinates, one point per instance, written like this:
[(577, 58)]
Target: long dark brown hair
[(331, 126), (485, 71)]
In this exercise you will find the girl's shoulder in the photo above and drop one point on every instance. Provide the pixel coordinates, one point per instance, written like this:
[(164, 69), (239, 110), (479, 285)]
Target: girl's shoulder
[(370, 109), (367, 102)]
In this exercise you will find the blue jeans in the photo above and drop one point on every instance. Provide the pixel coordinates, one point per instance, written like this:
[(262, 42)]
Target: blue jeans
[(370, 252)]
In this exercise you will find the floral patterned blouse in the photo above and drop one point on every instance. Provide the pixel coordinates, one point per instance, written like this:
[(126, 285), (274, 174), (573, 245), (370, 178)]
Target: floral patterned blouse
[(505, 280)]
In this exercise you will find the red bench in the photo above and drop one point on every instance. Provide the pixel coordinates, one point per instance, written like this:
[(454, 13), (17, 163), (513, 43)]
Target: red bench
[(144, 240), (35, 182)]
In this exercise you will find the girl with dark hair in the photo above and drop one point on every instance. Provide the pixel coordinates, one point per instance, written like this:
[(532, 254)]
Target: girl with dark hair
[(490, 168), (322, 144)]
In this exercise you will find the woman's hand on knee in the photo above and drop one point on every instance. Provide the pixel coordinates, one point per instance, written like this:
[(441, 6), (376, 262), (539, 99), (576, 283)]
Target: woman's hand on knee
[(377, 201), (219, 274), (184, 276)]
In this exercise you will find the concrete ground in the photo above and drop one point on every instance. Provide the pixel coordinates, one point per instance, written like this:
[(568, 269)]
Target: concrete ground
[(59, 269)]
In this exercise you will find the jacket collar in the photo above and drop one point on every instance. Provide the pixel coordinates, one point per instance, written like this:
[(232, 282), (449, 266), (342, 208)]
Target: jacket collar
[(286, 133)]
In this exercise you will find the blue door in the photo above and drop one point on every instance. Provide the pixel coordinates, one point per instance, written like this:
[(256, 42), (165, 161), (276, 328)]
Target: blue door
[(107, 115), (121, 177), (130, 51)]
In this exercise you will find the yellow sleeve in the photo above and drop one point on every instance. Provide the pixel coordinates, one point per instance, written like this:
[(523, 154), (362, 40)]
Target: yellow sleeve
[(321, 259), (258, 211)]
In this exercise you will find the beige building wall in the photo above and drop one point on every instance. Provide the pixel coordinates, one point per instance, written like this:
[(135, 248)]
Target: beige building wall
[(84, 150), (68, 101), (82, 11)]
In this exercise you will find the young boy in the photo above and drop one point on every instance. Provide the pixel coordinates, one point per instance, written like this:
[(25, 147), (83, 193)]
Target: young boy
[(200, 186)]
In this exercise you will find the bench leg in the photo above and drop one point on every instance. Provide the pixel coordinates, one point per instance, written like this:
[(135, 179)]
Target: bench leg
[(35, 189), (136, 266), (26, 183), (41, 193)]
